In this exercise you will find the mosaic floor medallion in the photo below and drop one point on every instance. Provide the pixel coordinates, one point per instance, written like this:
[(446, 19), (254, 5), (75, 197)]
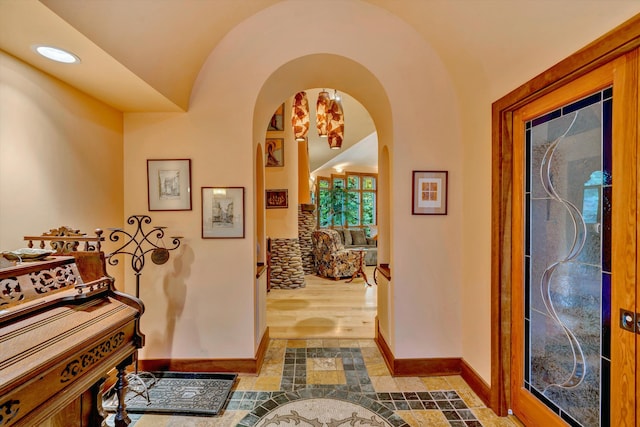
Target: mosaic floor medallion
[(322, 413)]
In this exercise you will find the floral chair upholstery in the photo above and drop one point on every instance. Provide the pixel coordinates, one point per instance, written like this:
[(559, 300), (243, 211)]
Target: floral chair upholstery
[(330, 257)]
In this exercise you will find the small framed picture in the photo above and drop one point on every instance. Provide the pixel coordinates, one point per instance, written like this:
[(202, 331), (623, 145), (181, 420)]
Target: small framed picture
[(429, 193), (169, 184), (222, 212), (277, 120), (274, 152), (277, 199)]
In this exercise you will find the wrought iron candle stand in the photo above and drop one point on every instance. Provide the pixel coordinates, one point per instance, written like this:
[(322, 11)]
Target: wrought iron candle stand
[(138, 245)]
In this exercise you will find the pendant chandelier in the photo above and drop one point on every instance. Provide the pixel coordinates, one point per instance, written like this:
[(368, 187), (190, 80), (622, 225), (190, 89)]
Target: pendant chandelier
[(300, 116), (329, 118), (321, 113), (335, 124)]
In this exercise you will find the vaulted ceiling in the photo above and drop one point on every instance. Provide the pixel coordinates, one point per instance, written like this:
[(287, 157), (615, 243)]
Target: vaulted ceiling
[(145, 55)]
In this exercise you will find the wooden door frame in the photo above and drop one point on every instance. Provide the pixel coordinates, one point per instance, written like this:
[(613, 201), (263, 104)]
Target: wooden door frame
[(621, 40)]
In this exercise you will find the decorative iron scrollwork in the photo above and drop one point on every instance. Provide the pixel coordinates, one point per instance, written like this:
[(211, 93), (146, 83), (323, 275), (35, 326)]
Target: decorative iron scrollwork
[(140, 243), (91, 357)]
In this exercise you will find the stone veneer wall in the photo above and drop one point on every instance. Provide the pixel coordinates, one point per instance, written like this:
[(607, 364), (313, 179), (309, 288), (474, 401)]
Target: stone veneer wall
[(286, 264), (306, 226)]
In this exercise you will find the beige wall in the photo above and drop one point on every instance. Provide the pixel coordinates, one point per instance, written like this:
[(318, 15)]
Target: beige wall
[(478, 85), (205, 302), (201, 303), (428, 116), (220, 138), (283, 223), (61, 158)]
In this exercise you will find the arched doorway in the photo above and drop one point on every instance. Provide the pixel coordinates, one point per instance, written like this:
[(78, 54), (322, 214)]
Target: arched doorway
[(286, 81)]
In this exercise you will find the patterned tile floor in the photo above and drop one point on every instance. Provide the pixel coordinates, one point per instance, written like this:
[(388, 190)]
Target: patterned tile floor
[(351, 370)]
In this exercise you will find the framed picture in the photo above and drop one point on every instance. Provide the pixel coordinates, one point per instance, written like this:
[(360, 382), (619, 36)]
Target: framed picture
[(169, 184), (277, 199), (222, 212), (274, 152), (429, 193), (277, 120)]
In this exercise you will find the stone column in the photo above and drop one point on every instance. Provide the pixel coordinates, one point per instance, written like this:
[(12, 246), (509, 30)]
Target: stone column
[(286, 264)]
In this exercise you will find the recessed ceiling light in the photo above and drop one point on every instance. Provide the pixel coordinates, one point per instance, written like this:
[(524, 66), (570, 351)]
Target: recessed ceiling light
[(56, 54)]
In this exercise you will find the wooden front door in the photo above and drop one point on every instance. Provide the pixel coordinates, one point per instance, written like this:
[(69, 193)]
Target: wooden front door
[(575, 252)]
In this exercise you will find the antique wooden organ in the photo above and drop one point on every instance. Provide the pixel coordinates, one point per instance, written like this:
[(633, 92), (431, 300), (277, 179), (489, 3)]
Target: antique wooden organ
[(63, 328)]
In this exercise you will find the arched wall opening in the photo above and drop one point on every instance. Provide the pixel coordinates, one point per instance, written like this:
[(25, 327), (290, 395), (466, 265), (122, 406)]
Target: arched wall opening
[(384, 196), (260, 287), (345, 75), (385, 286), (412, 102), (325, 70), (259, 205)]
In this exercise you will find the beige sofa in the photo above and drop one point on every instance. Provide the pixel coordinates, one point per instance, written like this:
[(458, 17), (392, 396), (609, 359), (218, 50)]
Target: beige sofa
[(357, 238)]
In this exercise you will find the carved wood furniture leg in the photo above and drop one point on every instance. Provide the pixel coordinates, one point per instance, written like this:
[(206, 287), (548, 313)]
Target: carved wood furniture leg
[(97, 416), (121, 417)]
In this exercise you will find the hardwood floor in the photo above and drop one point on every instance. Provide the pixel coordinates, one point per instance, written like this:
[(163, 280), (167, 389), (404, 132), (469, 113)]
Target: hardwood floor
[(324, 309)]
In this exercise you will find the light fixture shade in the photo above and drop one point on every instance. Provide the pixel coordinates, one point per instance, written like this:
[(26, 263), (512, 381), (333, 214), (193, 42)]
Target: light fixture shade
[(321, 113), (300, 116), (335, 124)]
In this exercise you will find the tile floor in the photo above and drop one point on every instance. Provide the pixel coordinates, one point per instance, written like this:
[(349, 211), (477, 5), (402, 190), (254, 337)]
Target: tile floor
[(347, 369)]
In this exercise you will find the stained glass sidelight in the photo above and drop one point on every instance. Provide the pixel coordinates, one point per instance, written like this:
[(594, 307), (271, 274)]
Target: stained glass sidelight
[(567, 273)]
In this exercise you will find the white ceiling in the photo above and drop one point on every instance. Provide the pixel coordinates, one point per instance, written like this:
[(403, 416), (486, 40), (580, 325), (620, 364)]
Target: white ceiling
[(358, 126), (359, 157), (154, 49), (145, 55)]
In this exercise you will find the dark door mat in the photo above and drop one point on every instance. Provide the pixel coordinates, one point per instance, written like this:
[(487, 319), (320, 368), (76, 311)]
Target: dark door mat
[(182, 393)]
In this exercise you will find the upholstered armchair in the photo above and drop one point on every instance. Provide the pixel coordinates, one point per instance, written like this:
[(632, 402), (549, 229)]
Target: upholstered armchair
[(330, 257)]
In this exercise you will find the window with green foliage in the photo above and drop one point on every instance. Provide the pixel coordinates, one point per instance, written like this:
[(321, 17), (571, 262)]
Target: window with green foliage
[(348, 200)]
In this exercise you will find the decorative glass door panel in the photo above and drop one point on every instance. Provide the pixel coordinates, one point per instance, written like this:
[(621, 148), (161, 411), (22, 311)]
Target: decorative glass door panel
[(567, 265)]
